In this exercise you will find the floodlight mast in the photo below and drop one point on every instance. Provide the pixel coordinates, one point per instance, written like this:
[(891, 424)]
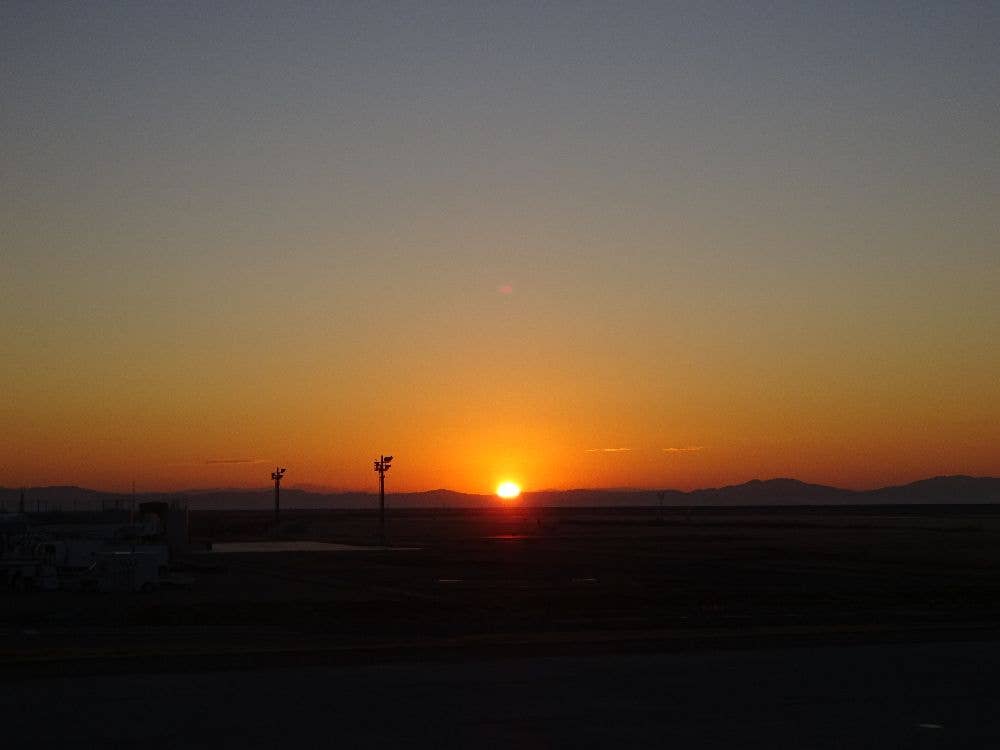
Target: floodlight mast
[(381, 467), (276, 475)]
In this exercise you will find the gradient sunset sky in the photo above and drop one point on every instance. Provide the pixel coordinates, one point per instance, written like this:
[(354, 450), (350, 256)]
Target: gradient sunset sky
[(567, 244)]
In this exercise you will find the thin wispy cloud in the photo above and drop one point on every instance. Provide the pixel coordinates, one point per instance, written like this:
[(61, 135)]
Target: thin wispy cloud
[(685, 449), (607, 450)]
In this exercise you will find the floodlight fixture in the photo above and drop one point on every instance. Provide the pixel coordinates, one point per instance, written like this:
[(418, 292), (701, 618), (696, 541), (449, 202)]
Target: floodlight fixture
[(381, 467), (277, 475)]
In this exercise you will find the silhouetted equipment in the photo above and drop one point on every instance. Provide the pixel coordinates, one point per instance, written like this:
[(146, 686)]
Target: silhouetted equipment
[(173, 523), (276, 475), (382, 466), (20, 506)]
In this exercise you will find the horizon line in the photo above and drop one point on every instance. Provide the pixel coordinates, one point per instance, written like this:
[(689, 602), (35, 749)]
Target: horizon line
[(332, 491)]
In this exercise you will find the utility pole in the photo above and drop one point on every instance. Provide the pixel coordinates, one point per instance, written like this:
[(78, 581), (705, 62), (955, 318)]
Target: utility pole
[(20, 506), (382, 466), (276, 475)]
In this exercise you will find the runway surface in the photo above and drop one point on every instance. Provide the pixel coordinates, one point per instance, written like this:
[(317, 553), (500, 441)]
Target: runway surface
[(942, 695)]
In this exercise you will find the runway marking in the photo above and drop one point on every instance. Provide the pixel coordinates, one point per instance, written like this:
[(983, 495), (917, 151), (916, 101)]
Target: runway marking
[(930, 726)]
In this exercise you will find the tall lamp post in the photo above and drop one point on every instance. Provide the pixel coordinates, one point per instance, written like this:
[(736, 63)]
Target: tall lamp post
[(276, 475), (381, 467)]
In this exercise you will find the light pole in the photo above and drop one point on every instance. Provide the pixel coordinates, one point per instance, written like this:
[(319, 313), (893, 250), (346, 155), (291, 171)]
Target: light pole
[(276, 475), (381, 467)]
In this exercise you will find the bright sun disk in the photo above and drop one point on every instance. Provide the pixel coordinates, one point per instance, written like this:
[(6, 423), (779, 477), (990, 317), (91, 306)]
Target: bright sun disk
[(508, 490)]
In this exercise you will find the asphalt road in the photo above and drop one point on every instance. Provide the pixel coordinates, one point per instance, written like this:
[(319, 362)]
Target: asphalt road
[(879, 696)]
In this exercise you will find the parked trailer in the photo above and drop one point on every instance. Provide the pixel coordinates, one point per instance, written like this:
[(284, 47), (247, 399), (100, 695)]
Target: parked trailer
[(72, 554), (28, 574), (126, 571)]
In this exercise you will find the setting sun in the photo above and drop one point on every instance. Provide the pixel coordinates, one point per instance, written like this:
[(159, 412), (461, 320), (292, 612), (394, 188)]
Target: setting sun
[(508, 490)]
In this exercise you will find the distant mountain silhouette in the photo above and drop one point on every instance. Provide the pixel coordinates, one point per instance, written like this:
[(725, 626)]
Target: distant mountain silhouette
[(950, 490), (63, 496), (775, 492), (953, 489)]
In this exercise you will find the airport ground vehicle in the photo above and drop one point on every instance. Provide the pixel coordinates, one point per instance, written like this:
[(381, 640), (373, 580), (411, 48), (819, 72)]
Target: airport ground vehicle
[(124, 571), (28, 573)]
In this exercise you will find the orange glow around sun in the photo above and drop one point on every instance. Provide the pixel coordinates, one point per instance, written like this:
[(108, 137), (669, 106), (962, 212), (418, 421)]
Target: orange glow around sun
[(508, 490)]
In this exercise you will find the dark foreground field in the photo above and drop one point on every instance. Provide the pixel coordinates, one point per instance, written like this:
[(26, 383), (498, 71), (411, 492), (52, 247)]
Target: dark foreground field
[(525, 581), (937, 695), (848, 627)]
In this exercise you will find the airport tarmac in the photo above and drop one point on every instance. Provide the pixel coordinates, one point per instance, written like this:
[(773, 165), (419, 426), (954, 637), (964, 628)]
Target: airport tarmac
[(941, 695), (237, 547), (487, 584)]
